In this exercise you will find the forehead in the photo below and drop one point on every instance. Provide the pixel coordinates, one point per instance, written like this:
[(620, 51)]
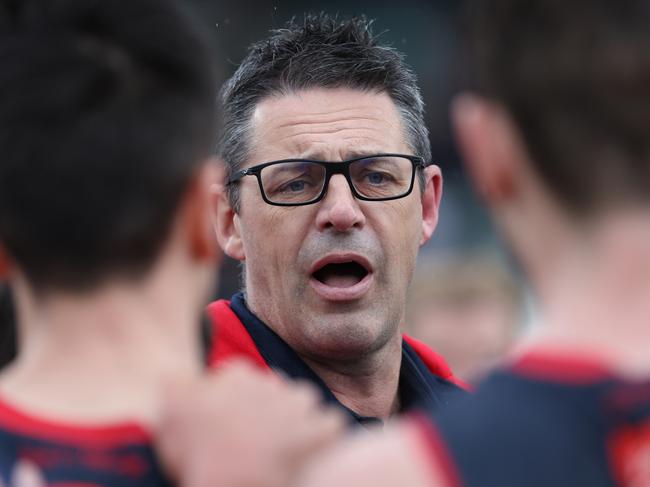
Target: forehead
[(327, 124)]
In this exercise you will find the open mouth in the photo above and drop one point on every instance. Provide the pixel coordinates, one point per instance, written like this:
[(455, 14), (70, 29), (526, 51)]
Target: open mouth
[(341, 274)]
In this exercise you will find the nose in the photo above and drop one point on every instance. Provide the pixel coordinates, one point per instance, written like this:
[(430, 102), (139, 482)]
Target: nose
[(339, 209)]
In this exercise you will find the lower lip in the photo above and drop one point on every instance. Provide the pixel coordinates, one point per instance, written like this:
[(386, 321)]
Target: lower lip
[(331, 293)]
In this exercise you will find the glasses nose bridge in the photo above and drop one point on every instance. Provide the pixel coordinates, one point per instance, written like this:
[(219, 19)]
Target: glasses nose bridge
[(334, 168)]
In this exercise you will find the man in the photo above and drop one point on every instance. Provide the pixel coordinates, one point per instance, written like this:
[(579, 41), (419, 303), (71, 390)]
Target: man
[(106, 239), (330, 194), (556, 139)]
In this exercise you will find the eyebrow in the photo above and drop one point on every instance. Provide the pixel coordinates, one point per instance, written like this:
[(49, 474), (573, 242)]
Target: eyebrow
[(354, 154)]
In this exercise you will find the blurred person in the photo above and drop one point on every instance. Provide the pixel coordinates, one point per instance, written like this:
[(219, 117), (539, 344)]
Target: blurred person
[(331, 191), (214, 431), (555, 136), (106, 240), (468, 307)]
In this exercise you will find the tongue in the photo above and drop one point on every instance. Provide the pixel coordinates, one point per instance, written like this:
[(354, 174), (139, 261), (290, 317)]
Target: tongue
[(340, 280)]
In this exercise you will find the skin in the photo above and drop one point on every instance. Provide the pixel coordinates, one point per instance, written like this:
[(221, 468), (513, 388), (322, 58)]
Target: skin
[(593, 290), (353, 344), (395, 457), (67, 370), (212, 438)]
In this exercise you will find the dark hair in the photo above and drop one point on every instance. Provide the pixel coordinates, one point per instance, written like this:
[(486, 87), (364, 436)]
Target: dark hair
[(107, 109), (575, 76), (7, 326), (321, 52)]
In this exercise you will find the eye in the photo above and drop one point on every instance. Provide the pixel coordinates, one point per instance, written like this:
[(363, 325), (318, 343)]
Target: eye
[(376, 177), (295, 185)]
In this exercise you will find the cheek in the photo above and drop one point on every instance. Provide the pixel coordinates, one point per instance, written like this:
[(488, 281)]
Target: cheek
[(402, 232), (272, 237)]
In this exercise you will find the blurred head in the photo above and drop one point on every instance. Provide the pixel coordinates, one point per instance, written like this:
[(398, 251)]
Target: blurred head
[(331, 276), (108, 119), (468, 308), (554, 131), (571, 81)]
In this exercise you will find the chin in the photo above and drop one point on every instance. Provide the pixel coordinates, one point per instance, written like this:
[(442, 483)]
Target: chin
[(348, 343)]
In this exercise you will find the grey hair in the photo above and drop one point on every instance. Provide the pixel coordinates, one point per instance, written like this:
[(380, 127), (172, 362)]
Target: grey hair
[(320, 52)]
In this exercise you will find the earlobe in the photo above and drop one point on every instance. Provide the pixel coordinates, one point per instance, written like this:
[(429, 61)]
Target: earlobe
[(487, 141), (200, 213), (430, 201), (226, 225)]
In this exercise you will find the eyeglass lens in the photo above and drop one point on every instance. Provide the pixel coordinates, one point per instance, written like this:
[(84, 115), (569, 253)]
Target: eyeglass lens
[(300, 182)]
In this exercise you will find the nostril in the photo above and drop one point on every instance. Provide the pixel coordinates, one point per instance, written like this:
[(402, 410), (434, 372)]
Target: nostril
[(344, 217), (339, 209)]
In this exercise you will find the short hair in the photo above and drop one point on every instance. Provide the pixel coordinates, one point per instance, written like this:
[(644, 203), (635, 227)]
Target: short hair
[(321, 52), (575, 76), (107, 109)]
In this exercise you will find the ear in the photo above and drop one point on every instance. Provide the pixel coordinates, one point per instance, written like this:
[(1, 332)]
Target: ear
[(5, 264), (227, 224), (430, 201), (490, 144), (199, 212)]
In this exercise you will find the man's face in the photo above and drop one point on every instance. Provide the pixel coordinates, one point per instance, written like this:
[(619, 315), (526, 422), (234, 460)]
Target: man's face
[(331, 277)]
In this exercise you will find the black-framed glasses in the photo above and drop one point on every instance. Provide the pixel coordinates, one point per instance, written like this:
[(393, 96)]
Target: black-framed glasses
[(296, 182)]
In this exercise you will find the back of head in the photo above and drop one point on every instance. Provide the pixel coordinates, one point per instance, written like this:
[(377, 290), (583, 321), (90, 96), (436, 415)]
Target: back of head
[(107, 108), (575, 76), (320, 52)]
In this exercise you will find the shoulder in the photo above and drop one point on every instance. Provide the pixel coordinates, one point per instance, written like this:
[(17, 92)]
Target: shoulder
[(435, 363), (230, 339), (507, 406), (105, 454), (520, 431)]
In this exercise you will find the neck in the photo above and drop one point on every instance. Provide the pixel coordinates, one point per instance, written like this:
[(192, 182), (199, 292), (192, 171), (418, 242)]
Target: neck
[(101, 356), (368, 386), (595, 295)]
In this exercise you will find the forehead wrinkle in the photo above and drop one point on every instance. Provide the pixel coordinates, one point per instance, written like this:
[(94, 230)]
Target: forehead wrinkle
[(363, 132), (368, 111), (329, 117), (324, 133), (347, 147), (306, 126), (294, 119), (321, 126), (334, 130), (299, 136), (302, 136)]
